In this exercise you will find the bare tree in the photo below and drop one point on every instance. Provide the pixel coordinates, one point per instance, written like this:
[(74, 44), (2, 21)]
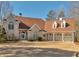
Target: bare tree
[(5, 9), (74, 13), (74, 10)]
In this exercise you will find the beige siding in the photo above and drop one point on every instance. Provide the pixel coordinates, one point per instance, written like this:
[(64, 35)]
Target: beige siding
[(33, 33), (15, 31)]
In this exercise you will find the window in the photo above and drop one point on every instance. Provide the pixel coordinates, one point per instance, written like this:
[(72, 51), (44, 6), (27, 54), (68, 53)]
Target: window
[(58, 34), (44, 35), (4, 19), (54, 25), (11, 26), (22, 35), (50, 34), (68, 34), (63, 24)]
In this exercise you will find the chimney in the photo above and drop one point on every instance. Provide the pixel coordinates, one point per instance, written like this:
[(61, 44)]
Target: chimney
[(60, 19)]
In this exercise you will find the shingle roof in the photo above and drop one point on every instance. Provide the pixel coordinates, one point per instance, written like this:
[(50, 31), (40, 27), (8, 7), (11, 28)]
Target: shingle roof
[(23, 26), (71, 22), (30, 21), (27, 22)]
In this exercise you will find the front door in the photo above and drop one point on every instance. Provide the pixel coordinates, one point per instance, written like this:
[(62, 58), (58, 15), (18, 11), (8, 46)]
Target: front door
[(23, 35)]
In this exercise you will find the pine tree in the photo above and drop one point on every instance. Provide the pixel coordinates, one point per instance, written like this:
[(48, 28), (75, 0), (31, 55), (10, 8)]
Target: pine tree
[(61, 13)]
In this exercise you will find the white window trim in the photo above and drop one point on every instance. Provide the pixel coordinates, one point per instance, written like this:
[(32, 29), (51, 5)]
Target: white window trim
[(63, 24), (11, 24), (54, 26)]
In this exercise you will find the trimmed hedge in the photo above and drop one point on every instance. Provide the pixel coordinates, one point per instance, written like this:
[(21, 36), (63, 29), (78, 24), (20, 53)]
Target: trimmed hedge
[(38, 39)]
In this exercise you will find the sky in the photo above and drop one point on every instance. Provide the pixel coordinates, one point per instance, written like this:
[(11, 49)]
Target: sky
[(37, 9)]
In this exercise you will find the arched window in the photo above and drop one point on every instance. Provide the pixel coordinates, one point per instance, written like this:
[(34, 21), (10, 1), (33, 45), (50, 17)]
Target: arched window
[(11, 26)]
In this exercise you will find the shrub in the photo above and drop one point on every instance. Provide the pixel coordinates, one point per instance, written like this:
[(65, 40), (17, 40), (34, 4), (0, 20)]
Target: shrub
[(2, 40), (39, 39), (77, 35), (12, 41), (3, 36), (31, 40)]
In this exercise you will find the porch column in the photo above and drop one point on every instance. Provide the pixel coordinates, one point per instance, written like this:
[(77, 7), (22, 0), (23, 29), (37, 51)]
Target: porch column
[(72, 37), (63, 37), (53, 37), (47, 36)]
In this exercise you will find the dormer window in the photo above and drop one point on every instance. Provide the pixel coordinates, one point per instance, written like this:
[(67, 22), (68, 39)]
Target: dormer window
[(11, 26), (4, 19), (54, 25), (63, 24)]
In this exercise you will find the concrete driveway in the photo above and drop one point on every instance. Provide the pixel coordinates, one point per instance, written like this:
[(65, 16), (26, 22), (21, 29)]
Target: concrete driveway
[(37, 49), (34, 52)]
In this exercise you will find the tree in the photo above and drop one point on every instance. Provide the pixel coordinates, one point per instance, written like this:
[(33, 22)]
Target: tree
[(61, 13), (5, 9), (51, 15), (74, 10), (2, 35), (74, 13)]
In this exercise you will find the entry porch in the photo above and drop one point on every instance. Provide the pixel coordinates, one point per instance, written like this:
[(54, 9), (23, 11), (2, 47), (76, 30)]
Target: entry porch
[(59, 36)]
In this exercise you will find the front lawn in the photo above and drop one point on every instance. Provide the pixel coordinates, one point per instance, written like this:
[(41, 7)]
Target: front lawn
[(45, 44)]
